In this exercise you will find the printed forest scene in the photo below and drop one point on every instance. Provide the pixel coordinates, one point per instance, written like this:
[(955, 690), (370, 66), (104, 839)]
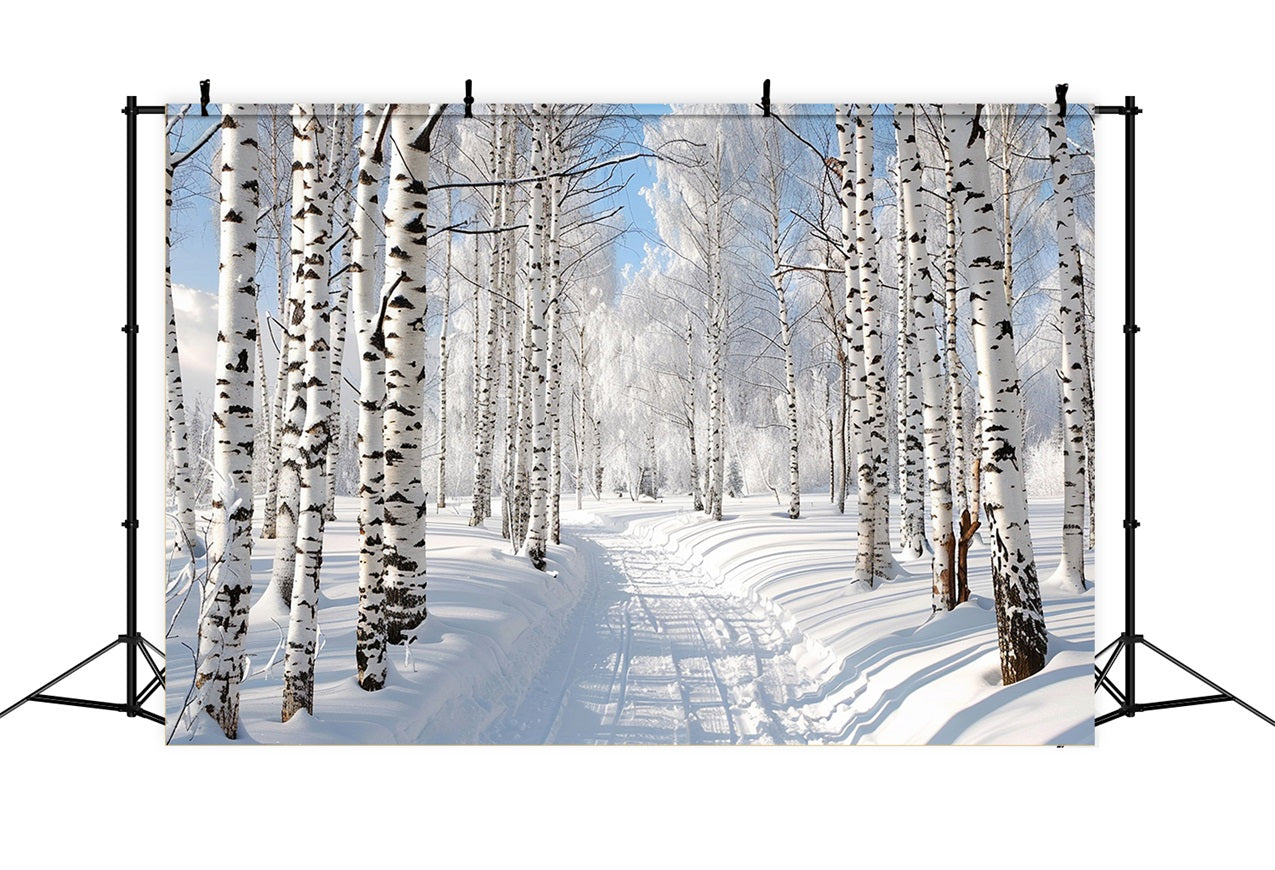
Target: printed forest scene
[(630, 424)]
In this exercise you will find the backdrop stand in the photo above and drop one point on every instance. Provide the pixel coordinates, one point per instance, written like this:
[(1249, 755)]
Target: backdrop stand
[(1129, 640), (132, 640)]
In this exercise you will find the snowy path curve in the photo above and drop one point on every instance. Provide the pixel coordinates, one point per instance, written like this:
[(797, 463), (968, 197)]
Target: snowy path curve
[(656, 653)]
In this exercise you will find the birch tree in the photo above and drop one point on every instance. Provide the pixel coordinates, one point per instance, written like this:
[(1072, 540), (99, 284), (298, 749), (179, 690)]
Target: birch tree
[(178, 439), (1070, 574), (911, 451), (555, 334), (336, 178), (874, 423), (488, 376), (227, 589), (775, 171), (365, 302), (406, 234), (1020, 619), (717, 332), (865, 468), (303, 623), (441, 499), (536, 352), (276, 176), (930, 362), (292, 420)]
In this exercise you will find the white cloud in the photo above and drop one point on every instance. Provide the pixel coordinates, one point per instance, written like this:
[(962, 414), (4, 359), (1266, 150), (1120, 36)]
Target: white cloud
[(196, 339)]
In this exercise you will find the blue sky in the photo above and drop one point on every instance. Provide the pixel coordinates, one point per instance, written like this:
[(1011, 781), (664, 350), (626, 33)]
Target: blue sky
[(194, 257)]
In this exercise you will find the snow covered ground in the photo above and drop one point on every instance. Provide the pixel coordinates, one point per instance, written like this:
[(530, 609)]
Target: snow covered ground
[(664, 627), (492, 621)]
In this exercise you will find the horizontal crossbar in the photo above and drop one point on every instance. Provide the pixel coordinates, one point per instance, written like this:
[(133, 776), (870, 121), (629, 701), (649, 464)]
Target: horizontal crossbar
[(79, 702)]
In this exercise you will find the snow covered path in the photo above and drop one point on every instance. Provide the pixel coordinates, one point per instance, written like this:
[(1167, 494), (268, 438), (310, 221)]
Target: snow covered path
[(658, 654)]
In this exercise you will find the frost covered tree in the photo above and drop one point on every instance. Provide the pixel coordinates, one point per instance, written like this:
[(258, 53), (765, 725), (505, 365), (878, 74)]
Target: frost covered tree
[(1070, 573), (775, 170), (1020, 618), (227, 588), (406, 235)]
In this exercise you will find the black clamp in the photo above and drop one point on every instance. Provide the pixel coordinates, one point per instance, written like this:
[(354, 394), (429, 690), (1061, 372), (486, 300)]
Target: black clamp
[(131, 329), (204, 87), (469, 98), (129, 524), (1131, 328), (765, 98), (1131, 524)]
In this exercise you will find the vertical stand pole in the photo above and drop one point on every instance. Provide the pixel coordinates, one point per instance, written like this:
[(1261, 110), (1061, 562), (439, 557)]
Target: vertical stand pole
[(1130, 384), (130, 330), (1129, 641)]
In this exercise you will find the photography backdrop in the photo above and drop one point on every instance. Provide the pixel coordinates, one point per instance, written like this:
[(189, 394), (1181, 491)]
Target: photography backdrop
[(655, 424)]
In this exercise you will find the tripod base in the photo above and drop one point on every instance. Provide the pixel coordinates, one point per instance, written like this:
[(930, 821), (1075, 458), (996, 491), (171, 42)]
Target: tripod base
[(1126, 644), (132, 706)]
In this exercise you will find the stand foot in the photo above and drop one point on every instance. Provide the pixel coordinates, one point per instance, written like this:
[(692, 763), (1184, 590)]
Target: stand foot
[(131, 706), (1128, 705)]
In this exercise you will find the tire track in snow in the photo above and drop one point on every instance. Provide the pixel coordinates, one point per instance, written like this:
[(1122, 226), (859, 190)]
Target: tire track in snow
[(660, 655)]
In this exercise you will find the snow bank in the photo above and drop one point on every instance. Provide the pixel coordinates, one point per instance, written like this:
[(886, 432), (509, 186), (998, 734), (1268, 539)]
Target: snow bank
[(493, 620)]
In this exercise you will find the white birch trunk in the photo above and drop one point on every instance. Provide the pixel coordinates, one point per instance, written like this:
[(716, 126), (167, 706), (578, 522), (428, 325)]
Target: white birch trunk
[(865, 475), (911, 448), (876, 420), (227, 590), (303, 621), (283, 285), (294, 400), (404, 327), (365, 301), (488, 376), (555, 336), (1070, 574), (1019, 617), (536, 353), (188, 541), (955, 375), (777, 277), (717, 323), (697, 493), (933, 385), (337, 177), (440, 500), (1087, 402)]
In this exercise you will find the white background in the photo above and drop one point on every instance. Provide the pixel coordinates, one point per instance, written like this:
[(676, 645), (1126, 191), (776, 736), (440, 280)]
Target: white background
[(1169, 785)]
